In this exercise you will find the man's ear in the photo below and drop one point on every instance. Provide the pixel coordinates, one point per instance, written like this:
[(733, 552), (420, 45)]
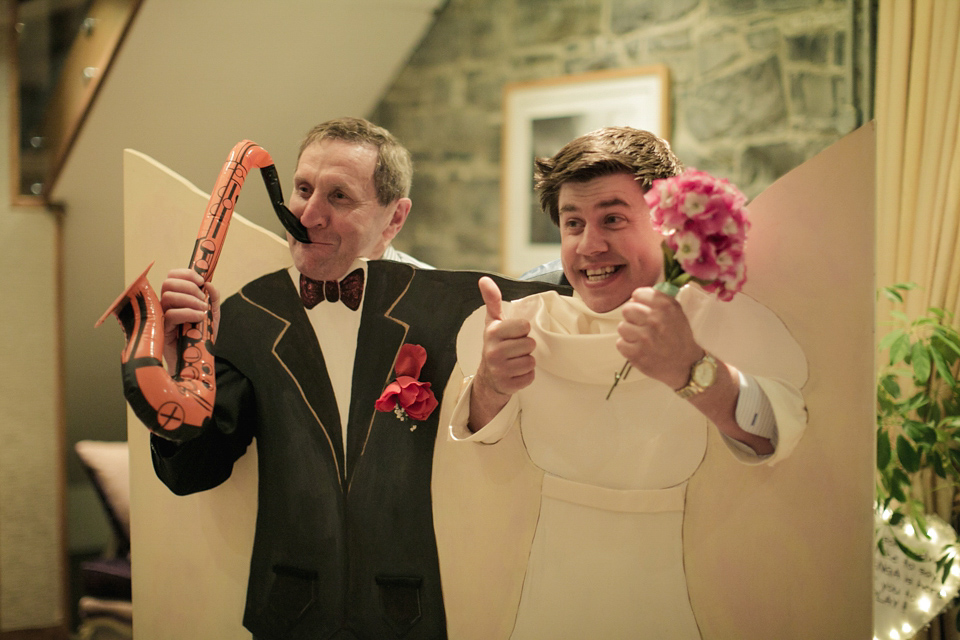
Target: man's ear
[(401, 209)]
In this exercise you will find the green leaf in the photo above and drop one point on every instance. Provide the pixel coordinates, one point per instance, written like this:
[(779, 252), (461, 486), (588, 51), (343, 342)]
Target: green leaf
[(897, 479), (908, 455), (920, 358), (889, 384), (942, 367), (907, 551), (901, 316), (938, 467), (896, 518), (917, 400), (899, 349), (883, 449), (889, 339), (920, 431), (946, 569), (949, 339), (892, 294)]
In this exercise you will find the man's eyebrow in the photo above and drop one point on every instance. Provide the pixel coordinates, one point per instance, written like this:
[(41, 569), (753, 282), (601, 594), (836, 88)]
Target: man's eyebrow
[(613, 202)]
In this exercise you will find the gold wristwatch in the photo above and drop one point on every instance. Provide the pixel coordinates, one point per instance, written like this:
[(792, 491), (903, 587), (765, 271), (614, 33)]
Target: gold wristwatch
[(703, 373)]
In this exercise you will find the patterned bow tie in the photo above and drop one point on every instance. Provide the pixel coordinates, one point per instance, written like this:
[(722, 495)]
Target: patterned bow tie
[(349, 291)]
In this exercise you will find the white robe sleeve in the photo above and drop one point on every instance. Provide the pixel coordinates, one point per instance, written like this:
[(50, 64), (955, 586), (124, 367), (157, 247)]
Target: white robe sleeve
[(494, 430), (469, 349), (752, 338)]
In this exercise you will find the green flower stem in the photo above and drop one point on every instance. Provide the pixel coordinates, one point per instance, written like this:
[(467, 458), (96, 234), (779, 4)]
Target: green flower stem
[(668, 288)]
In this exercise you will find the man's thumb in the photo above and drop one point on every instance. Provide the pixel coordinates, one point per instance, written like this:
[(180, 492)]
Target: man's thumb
[(491, 298)]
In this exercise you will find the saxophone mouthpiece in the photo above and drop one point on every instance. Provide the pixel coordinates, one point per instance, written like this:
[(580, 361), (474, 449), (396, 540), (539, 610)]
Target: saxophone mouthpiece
[(286, 217)]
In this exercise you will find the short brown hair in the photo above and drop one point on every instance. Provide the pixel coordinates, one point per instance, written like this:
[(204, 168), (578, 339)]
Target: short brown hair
[(604, 152), (393, 174)]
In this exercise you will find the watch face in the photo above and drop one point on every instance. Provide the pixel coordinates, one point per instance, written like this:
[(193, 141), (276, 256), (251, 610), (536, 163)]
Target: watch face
[(704, 373)]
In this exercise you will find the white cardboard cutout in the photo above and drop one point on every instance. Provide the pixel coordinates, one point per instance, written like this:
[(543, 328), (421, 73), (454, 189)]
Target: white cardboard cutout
[(191, 553), (770, 552)]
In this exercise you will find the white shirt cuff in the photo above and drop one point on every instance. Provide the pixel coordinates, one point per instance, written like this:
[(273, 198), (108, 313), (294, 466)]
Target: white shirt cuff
[(754, 413)]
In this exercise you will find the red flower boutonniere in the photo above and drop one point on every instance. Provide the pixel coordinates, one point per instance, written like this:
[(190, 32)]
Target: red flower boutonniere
[(406, 396)]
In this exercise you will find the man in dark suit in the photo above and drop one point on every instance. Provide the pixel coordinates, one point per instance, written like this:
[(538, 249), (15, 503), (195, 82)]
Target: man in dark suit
[(344, 544)]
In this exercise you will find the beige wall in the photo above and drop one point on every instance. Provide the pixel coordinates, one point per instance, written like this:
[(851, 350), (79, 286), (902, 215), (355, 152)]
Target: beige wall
[(31, 452)]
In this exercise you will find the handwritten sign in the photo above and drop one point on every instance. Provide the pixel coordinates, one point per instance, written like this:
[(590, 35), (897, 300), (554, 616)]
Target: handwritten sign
[(908, 594)]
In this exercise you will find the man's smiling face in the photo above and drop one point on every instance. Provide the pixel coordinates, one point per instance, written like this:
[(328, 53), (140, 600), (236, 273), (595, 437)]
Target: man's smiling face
[(607, 244), (335, 198)]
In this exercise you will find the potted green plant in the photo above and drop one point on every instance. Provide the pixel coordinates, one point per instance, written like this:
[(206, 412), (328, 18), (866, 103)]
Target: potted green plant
[(918, 426)]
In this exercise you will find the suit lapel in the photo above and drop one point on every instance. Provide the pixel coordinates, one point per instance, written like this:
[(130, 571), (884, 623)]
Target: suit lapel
[(298, 352), (378, 342)]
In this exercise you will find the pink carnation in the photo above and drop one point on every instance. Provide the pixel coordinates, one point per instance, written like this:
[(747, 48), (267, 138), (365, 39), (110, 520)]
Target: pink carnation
[(704, 224)]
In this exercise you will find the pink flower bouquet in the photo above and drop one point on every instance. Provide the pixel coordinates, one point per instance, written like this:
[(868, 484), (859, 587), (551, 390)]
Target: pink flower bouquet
[(407, 396), (704, 226)]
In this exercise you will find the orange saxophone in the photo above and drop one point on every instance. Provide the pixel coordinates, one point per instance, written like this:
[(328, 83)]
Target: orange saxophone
[(178, 407)]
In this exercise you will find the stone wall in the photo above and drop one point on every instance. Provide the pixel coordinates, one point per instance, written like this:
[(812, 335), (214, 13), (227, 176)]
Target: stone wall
[(757, 87)]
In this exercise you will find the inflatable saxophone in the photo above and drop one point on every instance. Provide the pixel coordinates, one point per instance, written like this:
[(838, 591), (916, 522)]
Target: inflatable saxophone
[(177, 407)]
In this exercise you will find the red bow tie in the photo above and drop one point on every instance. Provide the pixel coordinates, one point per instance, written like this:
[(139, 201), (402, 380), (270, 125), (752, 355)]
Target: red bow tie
[(349, 291)]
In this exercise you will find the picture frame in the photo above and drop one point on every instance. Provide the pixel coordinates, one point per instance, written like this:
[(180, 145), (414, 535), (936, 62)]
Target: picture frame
[(542, 116)]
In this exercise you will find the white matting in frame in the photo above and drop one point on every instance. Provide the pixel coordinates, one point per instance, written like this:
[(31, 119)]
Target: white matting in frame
[(540, 117)]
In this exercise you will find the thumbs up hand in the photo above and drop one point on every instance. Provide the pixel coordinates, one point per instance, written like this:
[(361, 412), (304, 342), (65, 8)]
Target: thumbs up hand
[(506, 365)]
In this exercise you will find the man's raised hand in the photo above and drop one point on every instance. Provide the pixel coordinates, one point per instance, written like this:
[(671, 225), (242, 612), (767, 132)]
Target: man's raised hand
[(506, 365), (656, 338)]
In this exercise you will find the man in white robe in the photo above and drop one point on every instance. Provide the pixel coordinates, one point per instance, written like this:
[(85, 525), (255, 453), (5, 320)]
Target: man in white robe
[(607, 555)]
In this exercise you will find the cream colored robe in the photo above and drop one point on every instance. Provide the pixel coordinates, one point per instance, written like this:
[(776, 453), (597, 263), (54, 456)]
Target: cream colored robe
[(607, 555)]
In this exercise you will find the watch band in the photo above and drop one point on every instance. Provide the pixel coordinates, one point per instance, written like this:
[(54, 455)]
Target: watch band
[(693, 387)]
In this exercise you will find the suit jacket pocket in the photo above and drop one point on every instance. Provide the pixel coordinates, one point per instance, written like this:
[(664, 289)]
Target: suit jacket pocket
[(400, 602), (293, 592)]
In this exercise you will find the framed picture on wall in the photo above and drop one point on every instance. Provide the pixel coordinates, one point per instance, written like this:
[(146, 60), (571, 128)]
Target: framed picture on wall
[(542, 116)]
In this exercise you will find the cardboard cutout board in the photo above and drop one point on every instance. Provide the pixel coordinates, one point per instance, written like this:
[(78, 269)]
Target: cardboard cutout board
[(788, 551), (769, 552), (191, 553)]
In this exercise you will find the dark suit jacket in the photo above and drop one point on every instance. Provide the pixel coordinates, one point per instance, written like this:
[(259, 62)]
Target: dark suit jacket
[(341, 550)]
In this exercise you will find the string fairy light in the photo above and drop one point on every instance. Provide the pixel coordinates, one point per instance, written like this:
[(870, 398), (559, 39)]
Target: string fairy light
[(911, 592)]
